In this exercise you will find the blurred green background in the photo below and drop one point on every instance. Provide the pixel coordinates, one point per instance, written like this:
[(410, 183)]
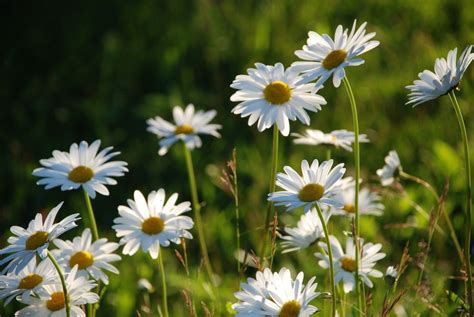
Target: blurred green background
[(87, 70)]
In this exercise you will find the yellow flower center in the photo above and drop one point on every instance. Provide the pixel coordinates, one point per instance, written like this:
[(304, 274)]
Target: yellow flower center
[(290, 309), (277, 93), (153, 225), (56, 302), (349, 208), (30, 281), (334, 59), (311, 192), (36, 240), (184, 129), (83, 259), (348, 264), (81, 174)]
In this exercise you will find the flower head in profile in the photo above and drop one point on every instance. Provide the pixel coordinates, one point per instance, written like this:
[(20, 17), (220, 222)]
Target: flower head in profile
[(270, 95), (83, 166), (345, 262), (308, 230), (446, 77), (369, 202), (319, 184), (52, 301), (90, 257), (188, 125), (34, 240), (28, 281), (391, 169), (324, 57), (151, 223), (338, 138), (276, 294)]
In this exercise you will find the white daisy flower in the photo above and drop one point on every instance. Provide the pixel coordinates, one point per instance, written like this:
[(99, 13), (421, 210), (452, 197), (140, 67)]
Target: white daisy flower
[(392, 272), (369, 202), (345, 263), (188, 125), (319, 184), (152, 223), (391, 169), (270, 94), (51, 302), (34, 240), (276, 295), (446, 77), (81, 166), (90, 257), (338, 138), (308, 230), (324, 56), (28, 281)]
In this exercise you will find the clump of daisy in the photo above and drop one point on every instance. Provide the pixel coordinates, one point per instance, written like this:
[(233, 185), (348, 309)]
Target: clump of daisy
[(391, 170), (446, 77), (276, 294), (369, 201), (318, 184), (52, 301), (308, 230), (345, 262), (188, 125), (271, 95), (34, 240), (151, 223), (324, 57), (90, 257), (338, 138), (29, 281), (83, 166)]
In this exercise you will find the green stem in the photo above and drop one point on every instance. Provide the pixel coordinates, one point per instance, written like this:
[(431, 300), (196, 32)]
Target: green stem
[(236, 202), (63, 283), (163, 284), (355, 121), (331, 264), (271, 190), (197, 214), (467, 229), (90, 212)]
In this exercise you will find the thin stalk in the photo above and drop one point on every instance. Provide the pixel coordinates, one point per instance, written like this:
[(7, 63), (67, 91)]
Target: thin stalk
[(271, 190), (236, 202), (467, 229), (331, 264), (63, 283), (163, 284), (355, 121), (90, 212), (197, 214)]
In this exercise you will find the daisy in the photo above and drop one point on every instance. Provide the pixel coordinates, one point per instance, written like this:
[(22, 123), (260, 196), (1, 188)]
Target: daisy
[(90, 257), (308, 230), (345, 263), (446, 77), (51, 302), (319, 184), (188, 125), (34, 240), (391, 275), (81, 166), (391, 169), (324, 56), (28, 281), (151, 223), (369, 202), (338, 138), (270, 94), (277, 295)]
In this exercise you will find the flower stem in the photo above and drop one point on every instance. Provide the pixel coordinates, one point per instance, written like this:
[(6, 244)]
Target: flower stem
[(331, 264), (90, 212), (163, 284), (63, 283), (197, 214), (355, 121), (467, 222), (270, 206)]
